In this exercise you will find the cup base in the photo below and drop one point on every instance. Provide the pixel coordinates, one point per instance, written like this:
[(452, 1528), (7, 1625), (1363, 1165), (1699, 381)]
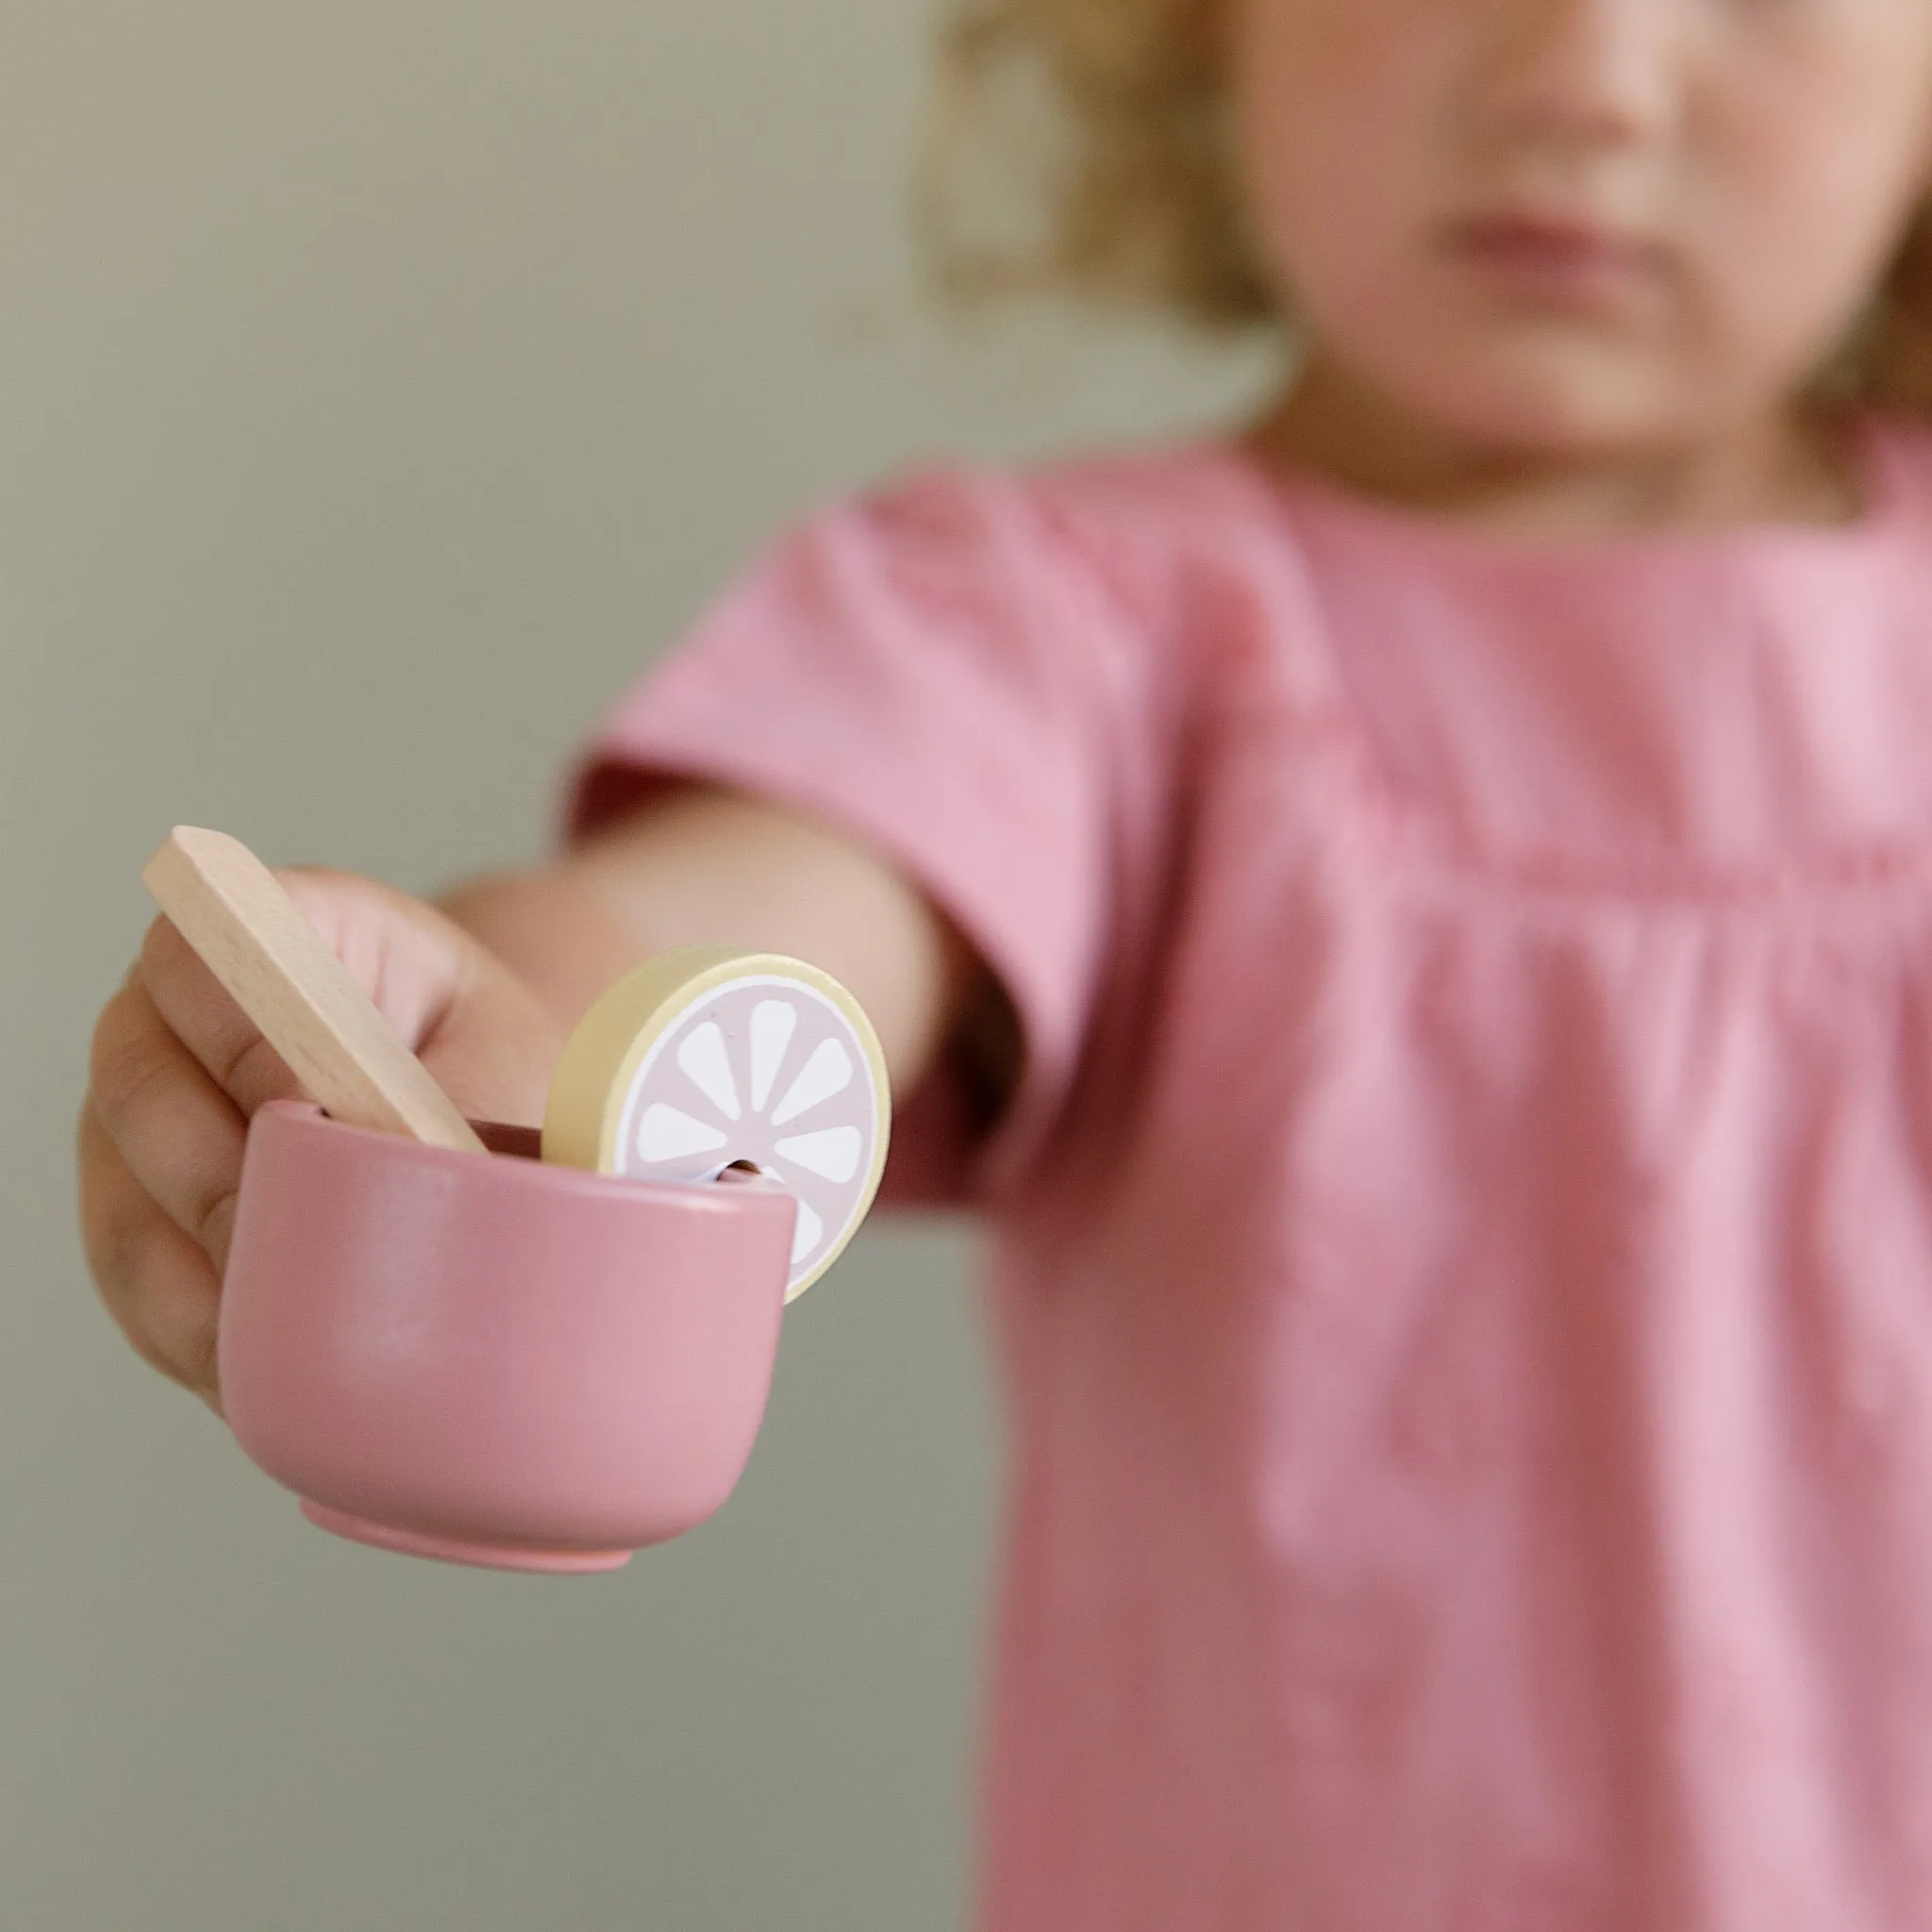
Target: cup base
[(443, 1549)]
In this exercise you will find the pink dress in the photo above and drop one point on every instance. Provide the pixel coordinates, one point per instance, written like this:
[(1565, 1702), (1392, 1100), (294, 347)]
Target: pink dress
[(1464, 1237)]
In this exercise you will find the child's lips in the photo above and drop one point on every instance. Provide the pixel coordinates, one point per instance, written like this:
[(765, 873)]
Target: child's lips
[(1555, 257)]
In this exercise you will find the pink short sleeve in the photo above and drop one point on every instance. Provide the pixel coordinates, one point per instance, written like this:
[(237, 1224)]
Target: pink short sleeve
[(916, 669)]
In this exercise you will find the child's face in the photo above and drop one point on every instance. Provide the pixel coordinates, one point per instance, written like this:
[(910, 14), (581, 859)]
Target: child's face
[(1569, 223)]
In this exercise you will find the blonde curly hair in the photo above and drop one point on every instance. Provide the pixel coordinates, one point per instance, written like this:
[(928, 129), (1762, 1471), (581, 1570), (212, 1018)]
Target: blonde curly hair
[(1081, 147)]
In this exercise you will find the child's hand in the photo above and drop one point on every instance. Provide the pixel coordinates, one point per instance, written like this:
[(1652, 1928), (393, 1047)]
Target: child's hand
[(486, 995), (177, 1069)]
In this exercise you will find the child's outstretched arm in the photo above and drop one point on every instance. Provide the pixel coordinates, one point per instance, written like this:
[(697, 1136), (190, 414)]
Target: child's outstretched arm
[(485, 989), (703, 864)]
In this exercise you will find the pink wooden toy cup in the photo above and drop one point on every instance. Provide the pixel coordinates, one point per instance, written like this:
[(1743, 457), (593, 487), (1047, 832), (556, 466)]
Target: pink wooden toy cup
[(491, 1361)]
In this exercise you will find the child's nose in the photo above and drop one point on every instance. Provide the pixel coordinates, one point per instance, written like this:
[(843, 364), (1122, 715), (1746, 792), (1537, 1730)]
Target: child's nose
[(1582, 73)]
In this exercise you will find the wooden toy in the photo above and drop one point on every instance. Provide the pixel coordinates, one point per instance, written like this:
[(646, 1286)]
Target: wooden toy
[(253, 938), (450, 1347), (708, 1059)]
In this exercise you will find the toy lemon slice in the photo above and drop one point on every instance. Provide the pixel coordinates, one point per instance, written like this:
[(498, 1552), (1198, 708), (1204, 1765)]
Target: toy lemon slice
[(706, 1058)]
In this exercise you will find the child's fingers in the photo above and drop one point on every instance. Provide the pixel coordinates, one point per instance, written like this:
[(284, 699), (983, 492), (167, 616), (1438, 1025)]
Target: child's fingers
[(177, 1069), (177, 1133), (193, 1007), (480, 1030), (159, 1287)]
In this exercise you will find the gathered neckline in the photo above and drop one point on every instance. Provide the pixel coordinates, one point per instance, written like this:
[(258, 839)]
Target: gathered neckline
[(1446, 827), (1872, 464)]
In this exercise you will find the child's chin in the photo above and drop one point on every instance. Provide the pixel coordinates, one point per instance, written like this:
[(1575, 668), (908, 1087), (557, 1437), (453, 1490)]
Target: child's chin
[(1556, 400)]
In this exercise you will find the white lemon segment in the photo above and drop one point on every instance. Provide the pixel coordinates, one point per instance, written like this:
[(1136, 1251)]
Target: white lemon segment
[(772, 1023), (701, 1059), (808, 1233), (665, 1134), (834, 1154), (826, 1073)]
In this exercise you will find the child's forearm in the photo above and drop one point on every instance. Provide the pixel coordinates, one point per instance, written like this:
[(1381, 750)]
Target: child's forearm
[(703, 865)]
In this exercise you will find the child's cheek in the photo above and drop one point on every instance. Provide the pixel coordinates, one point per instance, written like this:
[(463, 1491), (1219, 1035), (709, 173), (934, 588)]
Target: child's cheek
[(1809, 167), (1335, 110)]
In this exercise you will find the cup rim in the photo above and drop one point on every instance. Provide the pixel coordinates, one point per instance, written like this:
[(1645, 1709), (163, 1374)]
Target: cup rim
[(726, 1194)]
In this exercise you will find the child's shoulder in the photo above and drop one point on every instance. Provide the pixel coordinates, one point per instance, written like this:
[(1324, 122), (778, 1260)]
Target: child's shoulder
[(1119, 537), (1161, 496)]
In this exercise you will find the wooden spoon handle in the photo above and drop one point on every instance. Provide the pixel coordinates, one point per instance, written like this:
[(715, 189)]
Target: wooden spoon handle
[(255, 940)]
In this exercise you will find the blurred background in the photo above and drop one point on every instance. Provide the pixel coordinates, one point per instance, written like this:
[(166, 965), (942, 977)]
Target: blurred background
[(382, 382)]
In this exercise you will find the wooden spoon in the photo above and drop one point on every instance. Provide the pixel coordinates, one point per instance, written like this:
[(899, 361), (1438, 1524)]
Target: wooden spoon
[(253, 938)]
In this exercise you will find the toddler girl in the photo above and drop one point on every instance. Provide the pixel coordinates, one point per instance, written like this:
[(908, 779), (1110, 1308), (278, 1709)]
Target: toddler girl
[(1413, 921)]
